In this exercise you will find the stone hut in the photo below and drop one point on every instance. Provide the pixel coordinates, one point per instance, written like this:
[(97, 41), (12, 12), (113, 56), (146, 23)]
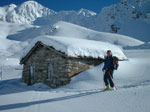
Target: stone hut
[(45, 61)]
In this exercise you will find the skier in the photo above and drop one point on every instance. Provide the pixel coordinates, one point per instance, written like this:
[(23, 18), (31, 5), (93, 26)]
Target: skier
[(108, 70)]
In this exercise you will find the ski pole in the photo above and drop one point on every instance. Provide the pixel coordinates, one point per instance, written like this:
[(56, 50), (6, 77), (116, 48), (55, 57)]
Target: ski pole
[(103, 81)]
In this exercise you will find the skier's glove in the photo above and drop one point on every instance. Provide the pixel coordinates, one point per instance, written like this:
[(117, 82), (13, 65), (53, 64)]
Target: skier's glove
[(103, 69)]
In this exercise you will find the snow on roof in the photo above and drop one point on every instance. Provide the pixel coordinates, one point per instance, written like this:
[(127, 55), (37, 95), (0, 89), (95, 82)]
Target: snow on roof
[(77, 47)]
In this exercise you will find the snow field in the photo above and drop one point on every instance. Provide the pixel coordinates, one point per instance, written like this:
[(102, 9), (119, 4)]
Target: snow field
[(84, 93)]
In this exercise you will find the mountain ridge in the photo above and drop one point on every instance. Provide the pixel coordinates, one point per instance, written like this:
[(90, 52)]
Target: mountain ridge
[(29, 11), (128, 17)]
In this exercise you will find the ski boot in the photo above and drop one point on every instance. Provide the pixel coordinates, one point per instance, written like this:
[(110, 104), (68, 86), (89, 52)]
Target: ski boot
[(107, 88)]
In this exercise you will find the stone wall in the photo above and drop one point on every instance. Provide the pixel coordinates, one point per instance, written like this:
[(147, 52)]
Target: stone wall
[(63, 68)]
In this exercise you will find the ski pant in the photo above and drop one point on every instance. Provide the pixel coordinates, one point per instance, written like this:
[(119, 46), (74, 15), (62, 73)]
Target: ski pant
[(108, 76)]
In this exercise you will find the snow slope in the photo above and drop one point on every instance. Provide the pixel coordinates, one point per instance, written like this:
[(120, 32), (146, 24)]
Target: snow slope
[(66, 29), (71, 30), (11, 47), (146, 45), (11, 28), (84, 93), (77, 47)]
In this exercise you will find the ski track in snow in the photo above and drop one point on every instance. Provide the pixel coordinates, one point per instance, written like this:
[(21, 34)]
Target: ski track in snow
[(36, 108), (30, 99), (36, 104), (14, 84)]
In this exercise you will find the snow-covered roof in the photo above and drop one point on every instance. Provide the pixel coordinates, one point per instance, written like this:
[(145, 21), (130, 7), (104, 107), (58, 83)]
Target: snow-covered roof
[(73, 47)]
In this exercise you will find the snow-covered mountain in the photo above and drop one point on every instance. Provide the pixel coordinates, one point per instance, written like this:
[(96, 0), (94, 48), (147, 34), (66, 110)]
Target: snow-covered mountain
[(32, 12), (25, 13), (128, 17)]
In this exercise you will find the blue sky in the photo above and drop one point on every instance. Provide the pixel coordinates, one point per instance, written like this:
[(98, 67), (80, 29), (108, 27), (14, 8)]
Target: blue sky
[(57, 5)]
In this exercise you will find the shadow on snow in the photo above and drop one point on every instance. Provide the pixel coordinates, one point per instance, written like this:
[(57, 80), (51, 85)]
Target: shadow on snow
[(26, 104)]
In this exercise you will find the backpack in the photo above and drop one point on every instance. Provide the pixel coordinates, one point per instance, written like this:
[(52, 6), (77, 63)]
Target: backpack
[(115, 62)]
